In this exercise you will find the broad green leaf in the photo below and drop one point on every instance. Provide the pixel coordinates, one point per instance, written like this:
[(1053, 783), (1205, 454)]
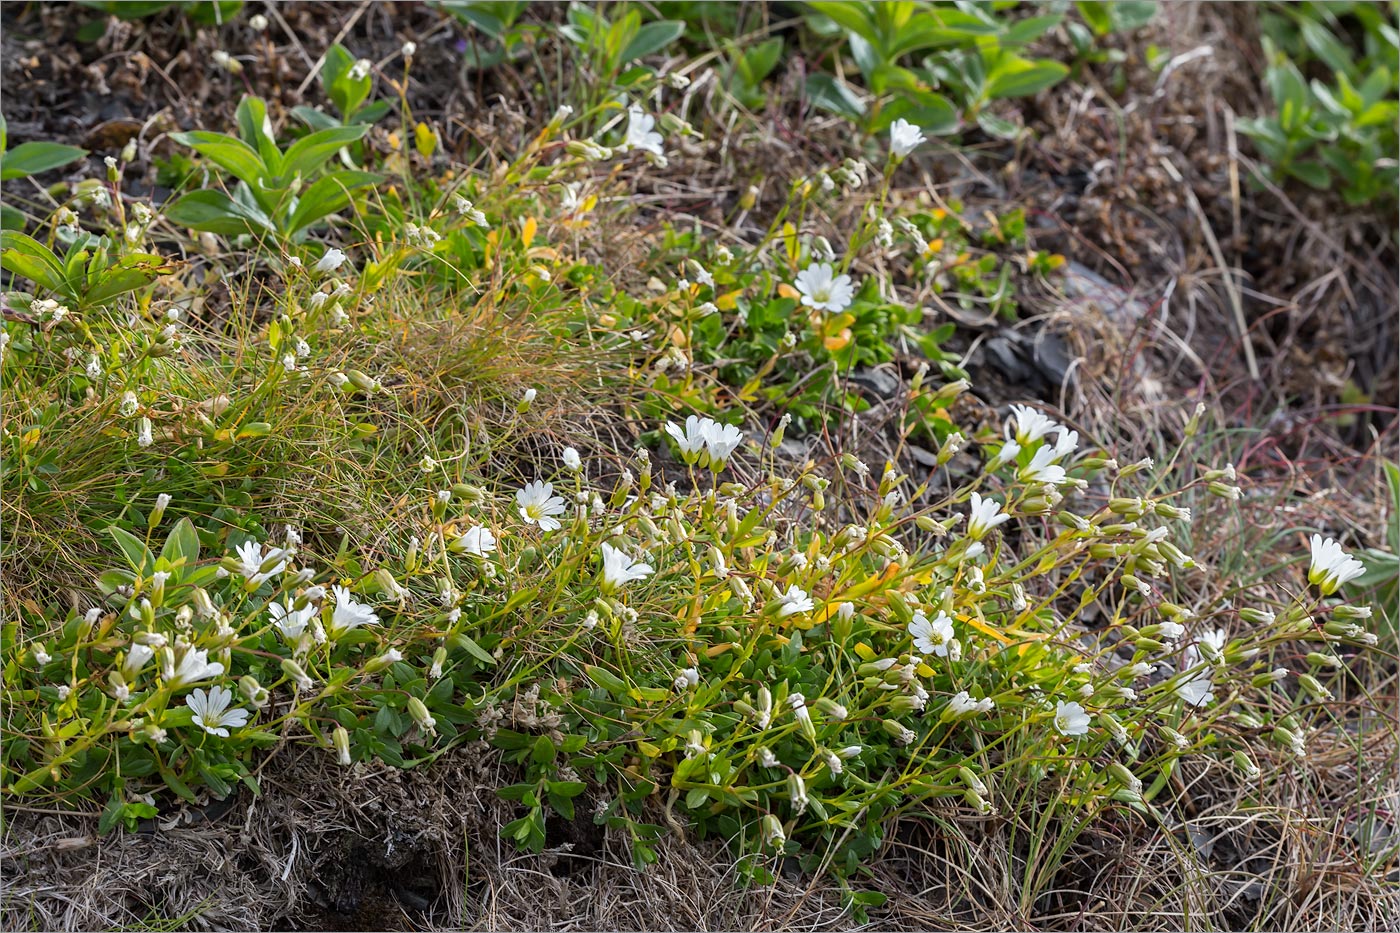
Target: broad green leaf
[(256, 130), (33, 158), (216, 212), (25, 256), (828, 93), (306, 156), (652, 38), (129, 274), (137, 554), (182, 544), (326, 196), (227, 152), (1017, 77)]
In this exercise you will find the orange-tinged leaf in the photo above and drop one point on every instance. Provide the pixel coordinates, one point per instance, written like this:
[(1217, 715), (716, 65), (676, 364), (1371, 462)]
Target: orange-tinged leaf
[(729, 301), (865, 652), (839, 341), (982, 627), (935, 246), (787, 291), (527, 231)]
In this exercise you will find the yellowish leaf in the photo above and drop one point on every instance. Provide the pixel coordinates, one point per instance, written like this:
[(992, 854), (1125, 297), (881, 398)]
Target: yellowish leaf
[(527, 231)]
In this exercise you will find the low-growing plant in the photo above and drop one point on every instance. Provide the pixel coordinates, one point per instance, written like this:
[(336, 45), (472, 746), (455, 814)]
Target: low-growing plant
[(279, 194), (1338, 129), (25, 160)]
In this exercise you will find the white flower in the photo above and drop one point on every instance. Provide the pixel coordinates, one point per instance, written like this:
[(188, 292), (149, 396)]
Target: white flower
[(766, 758), (538, 505), (572, 462), (691, 439), (905, 137), (641, 133), (931, 636), (1331, 566), (1008, 452), (1070, 718), (194, 665), (833, 761), (985, 515), (1042, 468), (250, 560), (477, 541), (687, 678), (1028, 425), (349, 613), (144, 437), (962, 702), (408, 49), (290, 621), (331, 261), (1170, 630), (162, 501), (619, 569), (824, 290), (1066, 443), (720, 441), (211, 712), (1196, 690), (793, 601), (360, 70)]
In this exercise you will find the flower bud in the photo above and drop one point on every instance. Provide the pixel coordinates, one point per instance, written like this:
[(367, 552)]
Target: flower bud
[(1313, 687), (1345, 611), (971, 780), (254, 692), (1257, 616), (377, 664), (420, 715), (1122, 775), (1318, 659), (1268, 679), (1222, 491), (298, 676), (772, 831), (341, 738), (1245, 764), (797, 793)]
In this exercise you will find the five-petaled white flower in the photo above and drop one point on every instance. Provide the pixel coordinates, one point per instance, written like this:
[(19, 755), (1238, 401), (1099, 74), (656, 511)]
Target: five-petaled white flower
[(931, 636), (985, 514), (721, 441), (290, 621), (905, 137), (641, 133), (1042, 468), (194, 665), (619, 569), (1028, 425), (1331, 566), (572, 462), (963, 703), (478, 541), (538, 505), (1070, 718), (331, 261), (349, 613), (692, 438), (211, 712), (793, 601), (824, 290)]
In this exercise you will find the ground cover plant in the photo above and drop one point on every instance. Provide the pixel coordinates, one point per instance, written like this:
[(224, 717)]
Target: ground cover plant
[(347, 446)]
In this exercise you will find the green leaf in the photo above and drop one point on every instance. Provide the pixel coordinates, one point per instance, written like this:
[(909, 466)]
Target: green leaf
[(11, 218), (32, 158), (228, 153), (137, 554), (1017, 77), (25, 256), (129, 274), (256, 130), (758, 62), (308, 154), (606, 679), (182, 544), (327, 196), (828, 93), (652, 38), (473, 649), (1313, 174), (543, 751), (216, 212)]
